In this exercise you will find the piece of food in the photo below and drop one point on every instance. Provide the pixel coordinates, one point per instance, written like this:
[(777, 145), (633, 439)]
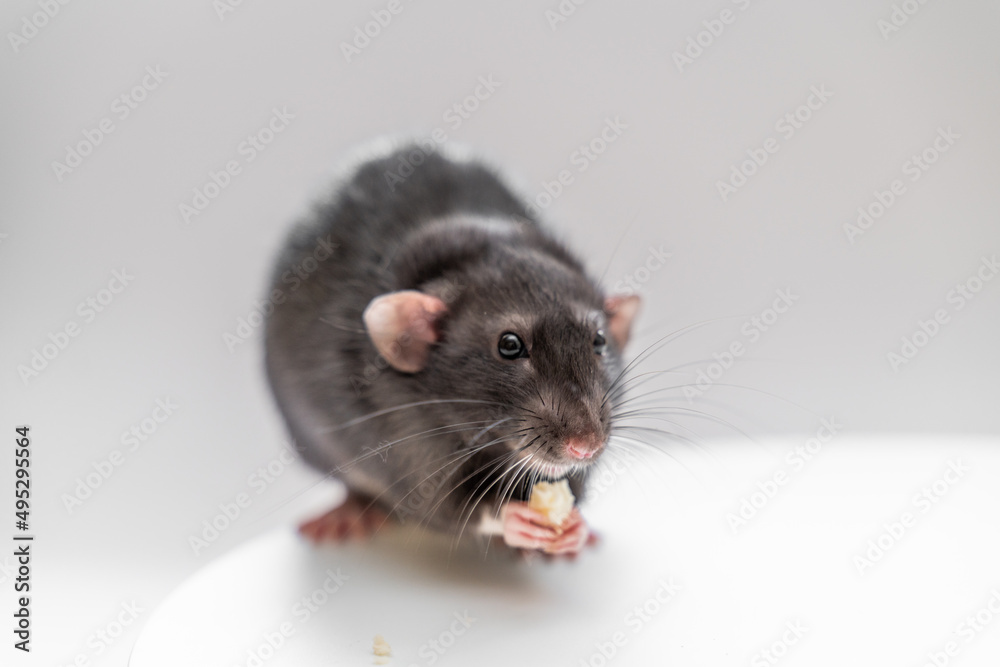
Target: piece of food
[(553, 499), (381, 647)]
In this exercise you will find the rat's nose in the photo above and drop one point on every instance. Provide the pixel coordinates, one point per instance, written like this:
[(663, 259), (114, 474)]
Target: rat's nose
[(578, 448)]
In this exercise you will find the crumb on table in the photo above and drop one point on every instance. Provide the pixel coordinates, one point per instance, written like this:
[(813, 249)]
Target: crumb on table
[(381, 647)]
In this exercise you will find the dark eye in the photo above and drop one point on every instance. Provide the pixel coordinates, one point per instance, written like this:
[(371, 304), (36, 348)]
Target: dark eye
[(600, 343), (511, 346)]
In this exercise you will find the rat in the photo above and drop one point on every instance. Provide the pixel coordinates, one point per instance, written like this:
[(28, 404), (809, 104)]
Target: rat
[(439, 351)]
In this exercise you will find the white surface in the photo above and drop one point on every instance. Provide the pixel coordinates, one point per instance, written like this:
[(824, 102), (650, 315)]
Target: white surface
[(711, 596), (162, 337)]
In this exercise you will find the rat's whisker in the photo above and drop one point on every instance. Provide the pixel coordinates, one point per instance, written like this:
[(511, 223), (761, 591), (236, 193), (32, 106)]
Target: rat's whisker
[(511, 486), (622, 422), (639, 449), (658, 344), (721, 384), (332, 475), (699, 414), (638, 430), (457, 458), (476, 496), (453, 459), (520, 473), (405, 406), (629, 383), (624, 419), (440, 430), (493, 464)]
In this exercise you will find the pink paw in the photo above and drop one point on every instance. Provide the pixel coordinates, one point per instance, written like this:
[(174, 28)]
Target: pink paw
[(524, 528), (353, 519)]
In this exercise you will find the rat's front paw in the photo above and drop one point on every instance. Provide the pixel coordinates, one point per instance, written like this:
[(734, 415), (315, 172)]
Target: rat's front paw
[(573, 536), (524, 528)]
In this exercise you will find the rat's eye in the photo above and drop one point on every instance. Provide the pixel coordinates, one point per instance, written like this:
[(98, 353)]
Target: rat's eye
[(511, 346), (600, 343)]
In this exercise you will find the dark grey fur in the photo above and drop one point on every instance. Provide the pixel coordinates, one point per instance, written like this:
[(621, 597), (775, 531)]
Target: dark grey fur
[(454, 230)]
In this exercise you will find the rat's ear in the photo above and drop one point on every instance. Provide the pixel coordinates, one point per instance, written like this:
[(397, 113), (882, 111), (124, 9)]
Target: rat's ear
[(621, 310), (402, 327)]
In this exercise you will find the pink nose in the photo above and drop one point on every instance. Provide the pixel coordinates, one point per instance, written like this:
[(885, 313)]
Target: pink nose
[(578, 449)]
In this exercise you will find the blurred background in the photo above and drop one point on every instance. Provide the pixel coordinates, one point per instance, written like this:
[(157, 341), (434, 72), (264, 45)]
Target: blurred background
[(814, 184)]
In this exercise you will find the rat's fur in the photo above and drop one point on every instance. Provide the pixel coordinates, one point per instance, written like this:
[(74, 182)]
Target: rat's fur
[(453, 230)]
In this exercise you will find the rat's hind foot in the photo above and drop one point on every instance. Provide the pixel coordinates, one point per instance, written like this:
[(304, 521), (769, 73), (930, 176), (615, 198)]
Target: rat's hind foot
[(355, 518)]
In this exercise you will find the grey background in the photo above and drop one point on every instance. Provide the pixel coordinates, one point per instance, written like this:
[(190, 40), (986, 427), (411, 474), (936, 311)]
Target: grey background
[(163, 336)]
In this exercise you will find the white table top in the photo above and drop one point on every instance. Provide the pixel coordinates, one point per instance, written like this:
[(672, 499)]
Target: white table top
[(671, 583)]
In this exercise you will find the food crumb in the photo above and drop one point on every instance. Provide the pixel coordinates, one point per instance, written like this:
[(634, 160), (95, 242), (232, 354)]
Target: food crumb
[(381, 648)]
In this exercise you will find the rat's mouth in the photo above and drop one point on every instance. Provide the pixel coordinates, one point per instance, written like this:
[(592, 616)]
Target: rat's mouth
[(553, 471), (547, 471), (572, 455)]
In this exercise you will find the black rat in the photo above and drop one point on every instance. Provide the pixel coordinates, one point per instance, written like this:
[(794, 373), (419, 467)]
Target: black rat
[(443, 352)]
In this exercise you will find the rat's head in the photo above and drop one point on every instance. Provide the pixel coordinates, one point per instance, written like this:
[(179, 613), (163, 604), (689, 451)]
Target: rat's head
[(508, 326)]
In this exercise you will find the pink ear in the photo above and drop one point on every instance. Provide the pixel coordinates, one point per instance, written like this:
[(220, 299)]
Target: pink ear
[(401, 325), (621, 311)]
